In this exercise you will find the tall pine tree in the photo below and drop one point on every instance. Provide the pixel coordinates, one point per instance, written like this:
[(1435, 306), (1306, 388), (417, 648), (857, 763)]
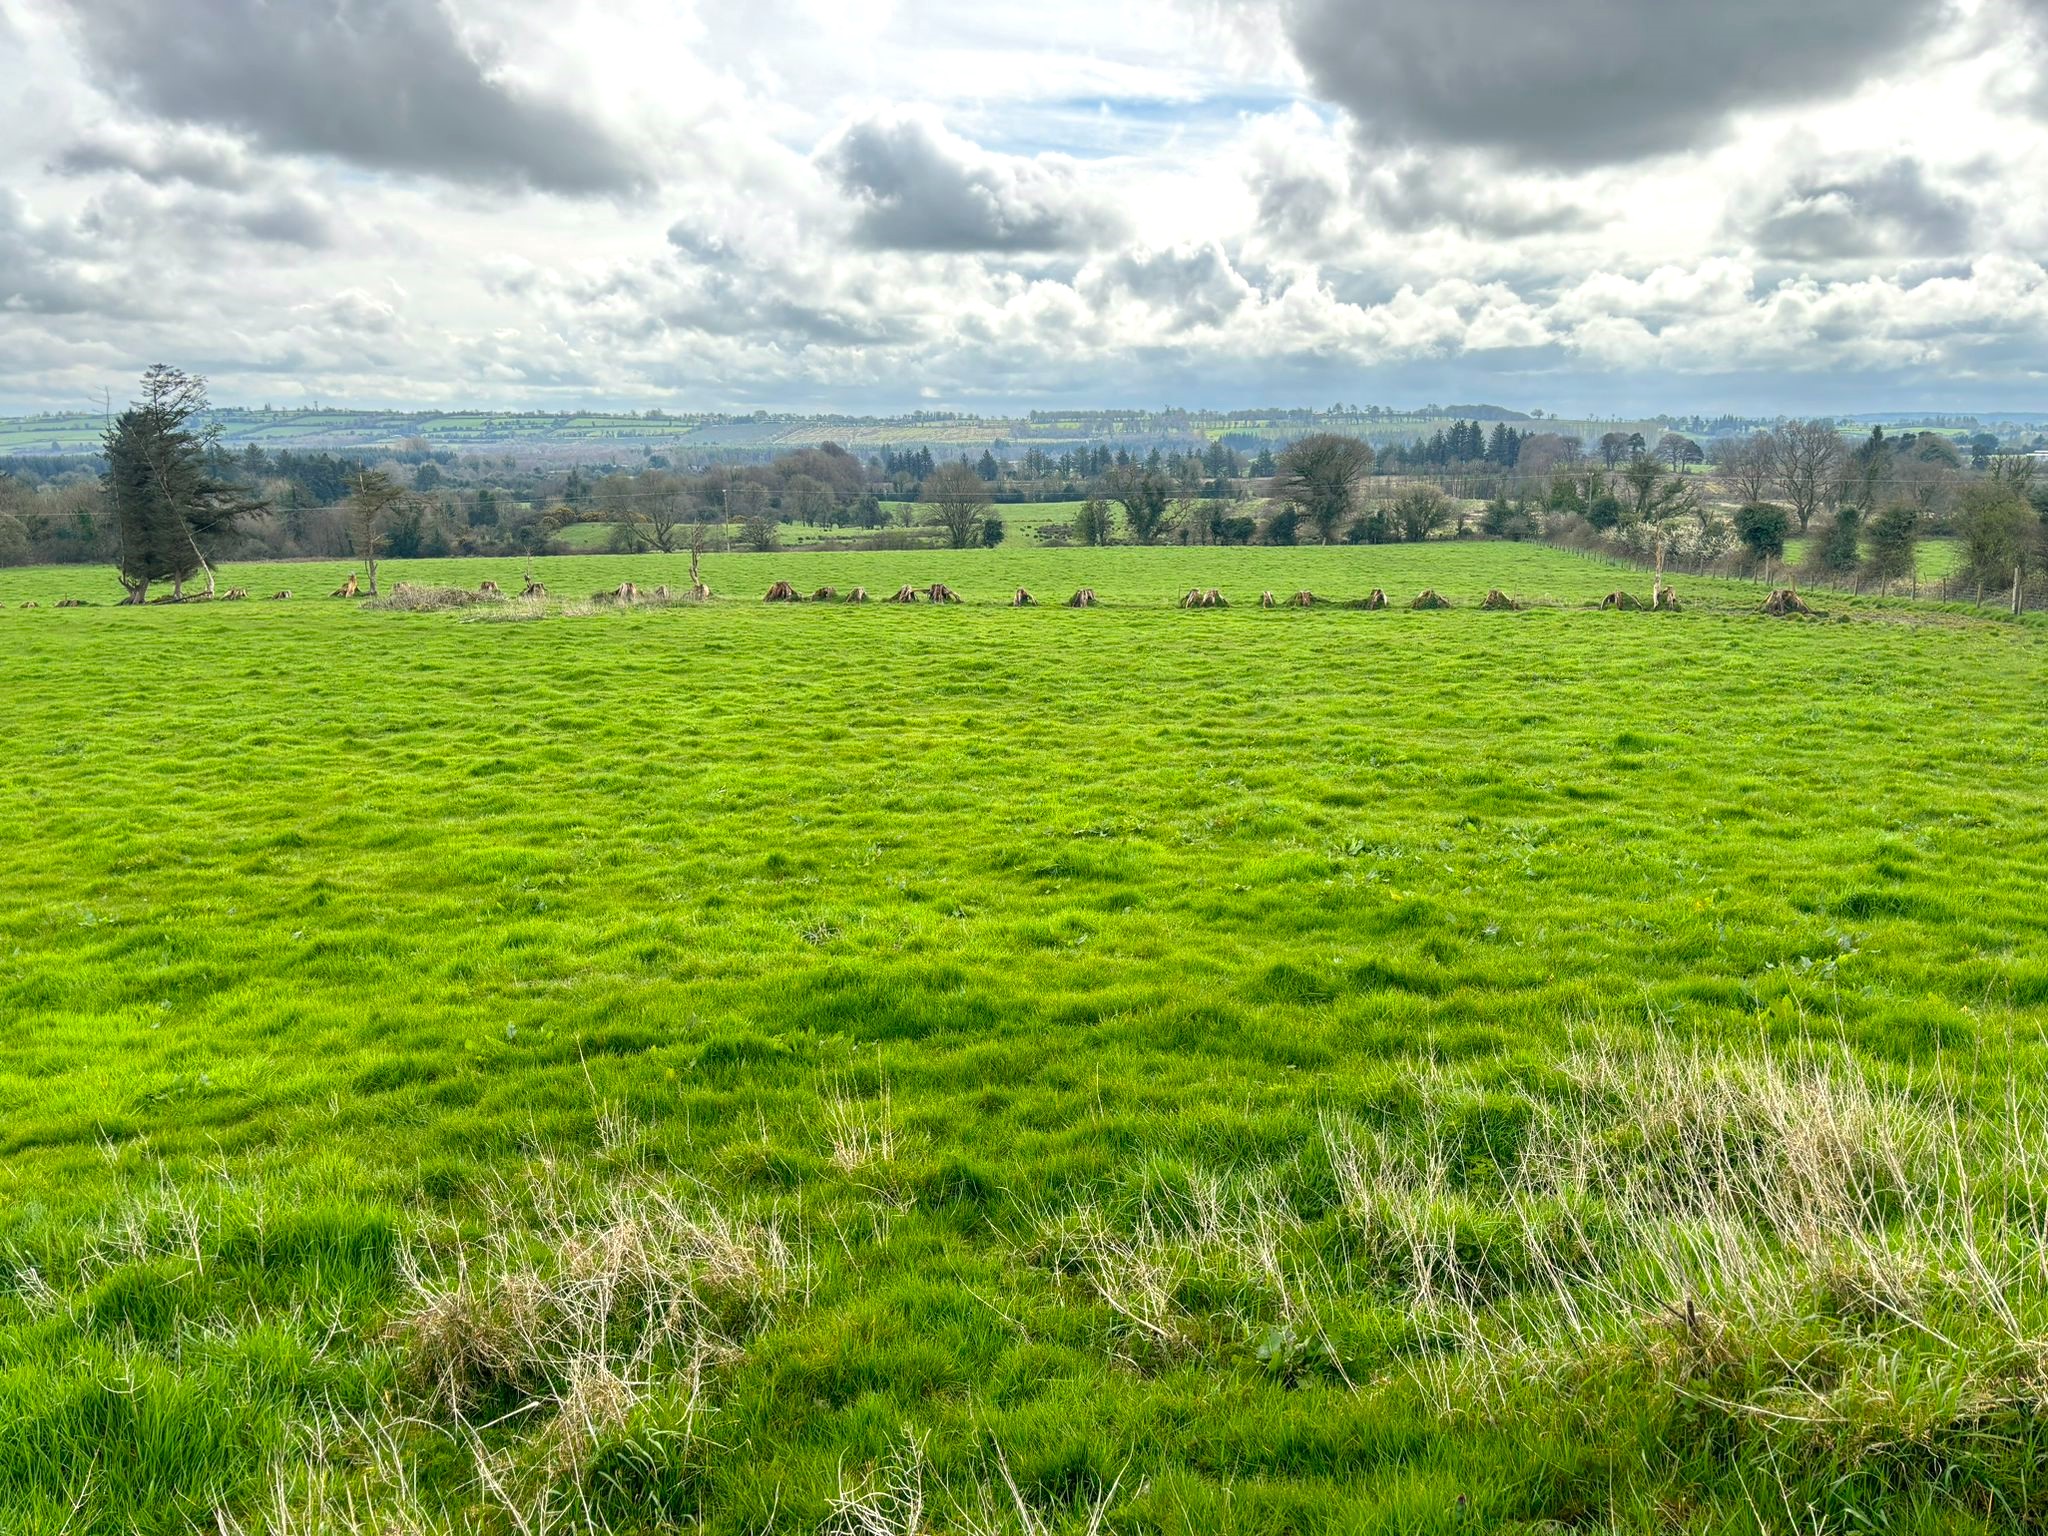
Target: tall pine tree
[(171, 517)]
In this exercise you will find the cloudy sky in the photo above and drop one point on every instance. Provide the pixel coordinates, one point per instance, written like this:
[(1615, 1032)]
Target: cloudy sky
[(873, 205)]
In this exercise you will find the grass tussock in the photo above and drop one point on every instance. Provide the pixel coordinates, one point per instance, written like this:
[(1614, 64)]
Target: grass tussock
[(405, 597), (1824, 1266), (574, 1305)]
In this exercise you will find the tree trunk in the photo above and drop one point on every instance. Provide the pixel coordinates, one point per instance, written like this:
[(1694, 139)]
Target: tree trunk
[(198, 555), (373, 570)]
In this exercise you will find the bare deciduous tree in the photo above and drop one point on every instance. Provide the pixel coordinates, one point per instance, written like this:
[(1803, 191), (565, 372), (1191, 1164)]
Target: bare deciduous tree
[(1807, 462), (1749, 464), (958, 498), (664, 506), (376, 497), (1678, 450)]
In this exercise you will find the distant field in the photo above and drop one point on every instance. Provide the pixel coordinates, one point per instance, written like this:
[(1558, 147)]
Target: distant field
[(1936, 559), (753, 1068), (1021, 521)]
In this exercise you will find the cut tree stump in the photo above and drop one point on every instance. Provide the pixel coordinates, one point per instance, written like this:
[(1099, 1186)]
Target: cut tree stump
[(939, 592), (783, 592), (1377, 599), (1205, 598), (857, 595), (1666, 601), (663, 595), (825, 595), (235, 595), (349, 588), (1429, 600), (1268, 600), (1302, 600), (1498, 601), (488, 589), (281, 597), (533, 589), (1085, 598), (905, 595), (1786, 604), (1627, 602), (1023, 599)]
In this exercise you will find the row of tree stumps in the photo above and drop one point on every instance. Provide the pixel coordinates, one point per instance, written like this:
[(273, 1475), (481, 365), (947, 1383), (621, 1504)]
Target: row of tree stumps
[(1663, 600)]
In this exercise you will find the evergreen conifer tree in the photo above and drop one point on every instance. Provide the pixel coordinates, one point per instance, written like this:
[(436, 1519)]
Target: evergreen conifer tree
[(172, 518)]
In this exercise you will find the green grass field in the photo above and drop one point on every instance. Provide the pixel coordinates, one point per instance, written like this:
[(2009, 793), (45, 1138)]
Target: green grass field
[(1021, 521), (1935, 559), (753, 1068)]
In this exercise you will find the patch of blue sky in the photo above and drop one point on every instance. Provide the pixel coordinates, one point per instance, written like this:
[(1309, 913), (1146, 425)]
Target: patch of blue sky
[(1102, 127)]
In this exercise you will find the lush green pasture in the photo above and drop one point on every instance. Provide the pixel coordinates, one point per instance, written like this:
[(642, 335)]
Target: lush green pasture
[(748, 1068), (1021, 522), (1935, 559)]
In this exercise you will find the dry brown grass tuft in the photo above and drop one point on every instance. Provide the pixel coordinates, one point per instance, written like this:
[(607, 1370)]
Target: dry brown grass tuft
[(407, 598), (576, 1301)]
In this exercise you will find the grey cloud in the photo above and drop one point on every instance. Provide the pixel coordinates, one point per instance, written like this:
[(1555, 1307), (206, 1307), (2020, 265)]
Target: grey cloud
[(200, 159), (2034, 17), (1199, 286), (1439, 193), (920, 189), (765, 301), (1302, 210), (40, 269), (386, 84), (1296, 205), (153, 224), (1885, 209), (1586, 82), (286, 219)]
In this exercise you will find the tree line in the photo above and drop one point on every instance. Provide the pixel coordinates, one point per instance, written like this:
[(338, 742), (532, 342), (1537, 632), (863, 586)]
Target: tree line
[(169, 502)]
